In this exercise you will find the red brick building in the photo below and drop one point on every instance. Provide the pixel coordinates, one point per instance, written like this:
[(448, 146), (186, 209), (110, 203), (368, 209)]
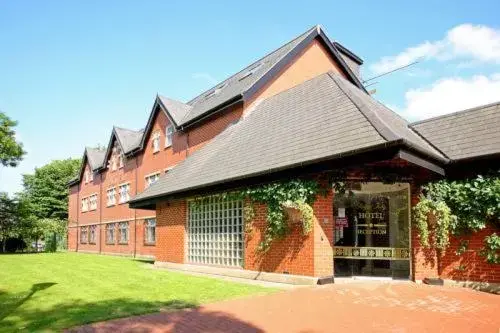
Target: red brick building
[(299, 112)]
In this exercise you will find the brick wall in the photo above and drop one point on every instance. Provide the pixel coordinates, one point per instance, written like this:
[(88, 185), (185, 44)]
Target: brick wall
[(170, 231), (323, 235)]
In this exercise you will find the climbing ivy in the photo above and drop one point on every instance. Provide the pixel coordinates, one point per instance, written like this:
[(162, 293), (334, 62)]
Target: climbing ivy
[(458, 207)]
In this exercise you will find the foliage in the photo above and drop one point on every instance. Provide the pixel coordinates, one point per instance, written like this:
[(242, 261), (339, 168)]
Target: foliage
[(49, 292), (491, 250), (11, 151), (436, 218), (46, 190), (10, 218), (458, 207), (299, 193)]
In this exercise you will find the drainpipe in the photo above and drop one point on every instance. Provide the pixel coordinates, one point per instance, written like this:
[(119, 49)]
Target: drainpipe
[(77, 216), (135, 210), (100, 212)]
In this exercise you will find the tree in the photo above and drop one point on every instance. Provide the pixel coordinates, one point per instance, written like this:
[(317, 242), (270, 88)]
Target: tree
[(11, 151), (47, 189), (10, 218)]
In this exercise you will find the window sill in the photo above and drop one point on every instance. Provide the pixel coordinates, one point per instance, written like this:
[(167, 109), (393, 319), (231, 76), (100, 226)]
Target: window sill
[(107, 206), (156, 152), (124, 202), (92, 243), (123, 243), (150, 244), (110, 243), (167, 147)]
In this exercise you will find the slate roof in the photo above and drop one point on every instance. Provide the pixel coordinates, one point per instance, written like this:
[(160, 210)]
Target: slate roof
[(465, 134), (128, 139), (321, 118), (95, 156), (245, 82)]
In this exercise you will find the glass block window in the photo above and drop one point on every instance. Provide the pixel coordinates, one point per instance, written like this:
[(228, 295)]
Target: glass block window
[(110, 233), (92, 234), (215, 232), (150, 231)]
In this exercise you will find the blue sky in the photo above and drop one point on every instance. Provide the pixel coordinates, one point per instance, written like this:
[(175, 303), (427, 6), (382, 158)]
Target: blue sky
[(70, 70)]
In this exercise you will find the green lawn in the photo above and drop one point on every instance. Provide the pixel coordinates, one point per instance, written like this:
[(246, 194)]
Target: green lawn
[(53, 291)]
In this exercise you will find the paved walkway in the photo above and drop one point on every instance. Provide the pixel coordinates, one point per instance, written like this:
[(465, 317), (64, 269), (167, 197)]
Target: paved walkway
[(357, 307)]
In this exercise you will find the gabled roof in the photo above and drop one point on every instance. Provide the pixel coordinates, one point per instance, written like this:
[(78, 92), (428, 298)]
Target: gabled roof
[(467, 134), (129, 141), (323, 118), (245, 83), (95, 159)]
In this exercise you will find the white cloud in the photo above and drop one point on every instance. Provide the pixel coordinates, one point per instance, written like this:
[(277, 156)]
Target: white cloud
[(450, 95), (476, 42), (204, 77)]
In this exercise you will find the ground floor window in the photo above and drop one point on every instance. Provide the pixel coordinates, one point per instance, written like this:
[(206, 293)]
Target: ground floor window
[(110, 233), (92, 234), (123, 232), (83, 235), (215, 232), (150, 231)]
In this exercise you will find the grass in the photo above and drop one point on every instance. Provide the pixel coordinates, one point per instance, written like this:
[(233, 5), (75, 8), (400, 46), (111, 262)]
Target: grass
[(49, 292)]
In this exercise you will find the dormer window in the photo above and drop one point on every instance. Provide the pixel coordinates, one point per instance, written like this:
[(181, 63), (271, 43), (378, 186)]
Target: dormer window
[(156, 142), (120, 161), (169, 135)]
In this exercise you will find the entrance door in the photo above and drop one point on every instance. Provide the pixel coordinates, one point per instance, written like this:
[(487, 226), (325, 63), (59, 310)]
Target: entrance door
[(372, 231)]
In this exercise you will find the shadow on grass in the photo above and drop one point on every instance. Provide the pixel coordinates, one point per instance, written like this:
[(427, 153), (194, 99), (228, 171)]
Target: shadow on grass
[(144, 261), (76, 313)]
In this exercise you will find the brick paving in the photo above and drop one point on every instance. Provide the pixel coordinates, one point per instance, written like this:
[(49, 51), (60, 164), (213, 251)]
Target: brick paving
[(354, 307)]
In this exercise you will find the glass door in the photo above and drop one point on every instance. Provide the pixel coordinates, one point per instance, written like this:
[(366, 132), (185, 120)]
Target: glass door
[(372, 231)]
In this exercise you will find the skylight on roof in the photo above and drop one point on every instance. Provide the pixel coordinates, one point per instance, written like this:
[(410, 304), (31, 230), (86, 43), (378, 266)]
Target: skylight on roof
[(249, 72), (216, 90)]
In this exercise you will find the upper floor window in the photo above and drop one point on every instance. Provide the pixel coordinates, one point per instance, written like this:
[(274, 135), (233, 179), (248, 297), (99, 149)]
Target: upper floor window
[(111, 194), (123, 232), (92, 234), (150, 231), (85, 204), (151, 179), (169, 135), (124, 193), (83, 235), (93, 202), (87, 176), (156, 142), (91, 176), (120, 161)]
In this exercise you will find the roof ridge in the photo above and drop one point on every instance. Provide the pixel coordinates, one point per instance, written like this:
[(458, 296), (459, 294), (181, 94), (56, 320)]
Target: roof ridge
[(475, 108), (377, 122), (308, 31)]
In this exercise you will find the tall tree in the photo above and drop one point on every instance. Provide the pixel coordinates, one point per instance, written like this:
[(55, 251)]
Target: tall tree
[(47, 189), (11, 215), (11, 151)]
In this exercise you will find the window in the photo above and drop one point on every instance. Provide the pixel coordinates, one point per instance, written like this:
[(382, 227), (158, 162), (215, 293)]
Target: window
[(110, 233), (170, 134), (151, 179), (91, 176), (92, 236), (216, 90), (250, 71), (123, 230), (156, 142), (150, 231), (83, 235), (124, 193), (85, 204), (87, 177), (215, 232), (111, 194), (120, 161), (93, 202)]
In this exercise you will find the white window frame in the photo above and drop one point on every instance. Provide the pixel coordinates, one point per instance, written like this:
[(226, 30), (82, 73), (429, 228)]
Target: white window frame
[(84, 235), (111, 195), (169, 135), (92, 234), (156, 141), (121, 162), (93, 202), (87, 177), (150, 231), (111, 227), (91, 176), (85, 204), (123, 229), (127, 192), (215, 233), (151, 179)]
